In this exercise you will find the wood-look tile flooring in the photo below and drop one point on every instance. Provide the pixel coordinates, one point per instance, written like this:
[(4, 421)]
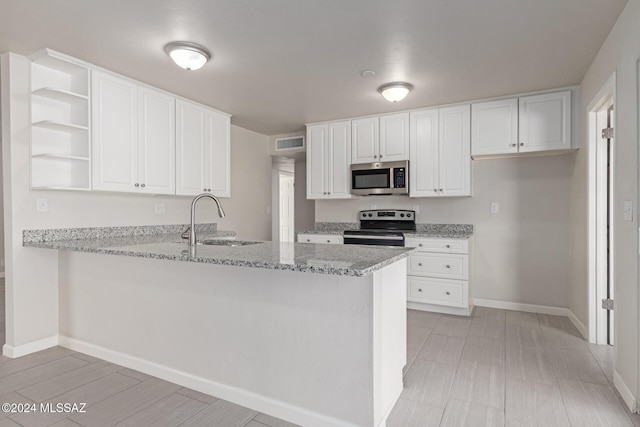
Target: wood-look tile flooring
[(505, 368), (494, 369)]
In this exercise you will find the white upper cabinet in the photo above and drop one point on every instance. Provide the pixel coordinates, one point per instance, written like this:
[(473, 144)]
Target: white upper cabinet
[(380, 139), (529, 124), (423, 166), (394, 137), (157, 142), (454, 153), (365, 140), (494, 127), (440, 145), (545, 122), (329, 160), (115, 133), (133, 137), (202, 150)]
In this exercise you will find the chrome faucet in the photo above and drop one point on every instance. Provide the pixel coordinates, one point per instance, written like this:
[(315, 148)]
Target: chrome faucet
[(192, 228)]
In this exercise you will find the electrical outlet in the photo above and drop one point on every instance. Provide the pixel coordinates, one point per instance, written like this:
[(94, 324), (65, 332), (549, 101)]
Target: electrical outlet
[(374, 206), (495, 207), (42, 205), (159, 209), (268, 210), (628, 210)]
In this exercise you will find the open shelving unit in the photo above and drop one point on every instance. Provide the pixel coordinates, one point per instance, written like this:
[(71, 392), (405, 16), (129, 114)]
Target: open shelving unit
[(60, 125)]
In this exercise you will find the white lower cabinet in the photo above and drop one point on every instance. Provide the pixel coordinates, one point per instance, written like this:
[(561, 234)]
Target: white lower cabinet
[(321, 238), (438, 275)]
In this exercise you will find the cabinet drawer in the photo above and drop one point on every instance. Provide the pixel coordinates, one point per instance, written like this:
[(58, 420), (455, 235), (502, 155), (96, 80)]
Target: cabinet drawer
[(320, 238), (454, 246), (434, 291), (447, 266)]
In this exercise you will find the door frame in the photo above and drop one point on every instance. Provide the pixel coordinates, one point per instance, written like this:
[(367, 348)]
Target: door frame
[(284, 175), (596, 216)]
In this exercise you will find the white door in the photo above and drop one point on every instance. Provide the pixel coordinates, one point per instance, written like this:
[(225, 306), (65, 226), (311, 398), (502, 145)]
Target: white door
[(339, 165), (365, 140), (286, 207), (114, 133), (394, 137), (219, 155), (317, 158), (157, 142), (455, 151), (423, 167), (191, 149), (545, 122), (494, 127)]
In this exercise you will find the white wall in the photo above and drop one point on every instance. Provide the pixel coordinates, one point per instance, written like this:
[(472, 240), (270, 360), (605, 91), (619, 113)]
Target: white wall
[(619, 54), (32, 292), (521, 254), (305, 216)]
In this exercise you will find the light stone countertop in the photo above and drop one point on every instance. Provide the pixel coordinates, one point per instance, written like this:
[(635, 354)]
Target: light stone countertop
[(441, 231), (352, 260)]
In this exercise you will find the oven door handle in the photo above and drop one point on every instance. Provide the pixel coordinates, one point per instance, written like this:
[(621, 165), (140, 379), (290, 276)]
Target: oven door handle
[(348, 236)]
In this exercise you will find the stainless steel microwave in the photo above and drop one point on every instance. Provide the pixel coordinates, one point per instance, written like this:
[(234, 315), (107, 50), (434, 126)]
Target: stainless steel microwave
[(369, 179)]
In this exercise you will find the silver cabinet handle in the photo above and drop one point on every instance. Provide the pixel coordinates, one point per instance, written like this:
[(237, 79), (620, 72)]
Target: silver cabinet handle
[(448, 293), (380, 155), (420, 244), (308, 240), (521, 144), (448, 246), (435, 189), (513, 145), (141, 185), (441, 189), (328, 241), (419, 264), (136, 185), (419, 289), (448, 266)]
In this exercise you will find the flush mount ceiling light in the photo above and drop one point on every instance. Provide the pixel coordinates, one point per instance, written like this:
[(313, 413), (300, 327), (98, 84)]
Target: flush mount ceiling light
[(187, 55), (394, 92)]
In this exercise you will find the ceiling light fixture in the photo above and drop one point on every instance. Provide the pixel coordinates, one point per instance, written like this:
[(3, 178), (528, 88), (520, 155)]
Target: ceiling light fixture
[(187, 55), (394, 92)]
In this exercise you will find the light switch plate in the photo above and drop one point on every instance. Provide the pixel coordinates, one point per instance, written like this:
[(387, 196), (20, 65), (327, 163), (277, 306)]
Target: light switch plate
[(628, 210), (159, 209), (42, 205), (495, 207)]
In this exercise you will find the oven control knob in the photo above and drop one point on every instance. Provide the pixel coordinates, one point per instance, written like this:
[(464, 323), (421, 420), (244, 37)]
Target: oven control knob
[(364, 215), (408, 215), (370, 215), (401, 215)]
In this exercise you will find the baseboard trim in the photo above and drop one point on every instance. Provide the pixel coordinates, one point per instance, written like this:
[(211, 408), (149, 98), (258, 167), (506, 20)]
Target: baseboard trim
[(625, 392), (22, 350), (533, 308), (236, 395), (439, 308)]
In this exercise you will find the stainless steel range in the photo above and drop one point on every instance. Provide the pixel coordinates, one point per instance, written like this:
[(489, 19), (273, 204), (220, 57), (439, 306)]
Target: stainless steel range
[(381, 228)]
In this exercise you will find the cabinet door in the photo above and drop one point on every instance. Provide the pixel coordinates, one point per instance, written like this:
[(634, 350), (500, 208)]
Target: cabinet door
[(545, 122), (423, 163), (365, 140), (157, 142), (455, 151), (339, 164), (317, 158), (114, 133), (219, 156), (494, 127), (191, 149), (394, 137)]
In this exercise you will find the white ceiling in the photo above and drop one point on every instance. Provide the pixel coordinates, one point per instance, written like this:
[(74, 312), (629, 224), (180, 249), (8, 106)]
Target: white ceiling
[(278, 64)]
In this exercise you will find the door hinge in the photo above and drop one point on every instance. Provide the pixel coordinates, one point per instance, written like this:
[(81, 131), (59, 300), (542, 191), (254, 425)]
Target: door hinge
[(607, 304), (607, 133)]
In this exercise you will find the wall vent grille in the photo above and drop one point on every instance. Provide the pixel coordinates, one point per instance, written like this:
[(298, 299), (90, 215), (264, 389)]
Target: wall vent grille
[(290, 143)]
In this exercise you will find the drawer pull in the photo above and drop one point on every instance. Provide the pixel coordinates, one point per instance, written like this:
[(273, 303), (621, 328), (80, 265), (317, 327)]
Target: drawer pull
[(448, 246), (448, 266), (419, 264), (419, 289), (328, 241), (308, 240), (420, 244), (448, 293)]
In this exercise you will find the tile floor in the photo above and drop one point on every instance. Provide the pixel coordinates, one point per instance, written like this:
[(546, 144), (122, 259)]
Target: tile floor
[(497, 368)]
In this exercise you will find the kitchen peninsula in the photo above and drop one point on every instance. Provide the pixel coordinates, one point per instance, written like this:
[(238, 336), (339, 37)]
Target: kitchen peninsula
[(314, 334)]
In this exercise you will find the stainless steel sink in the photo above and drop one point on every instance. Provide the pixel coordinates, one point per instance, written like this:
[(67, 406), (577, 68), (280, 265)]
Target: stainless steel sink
[(221, 242)]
